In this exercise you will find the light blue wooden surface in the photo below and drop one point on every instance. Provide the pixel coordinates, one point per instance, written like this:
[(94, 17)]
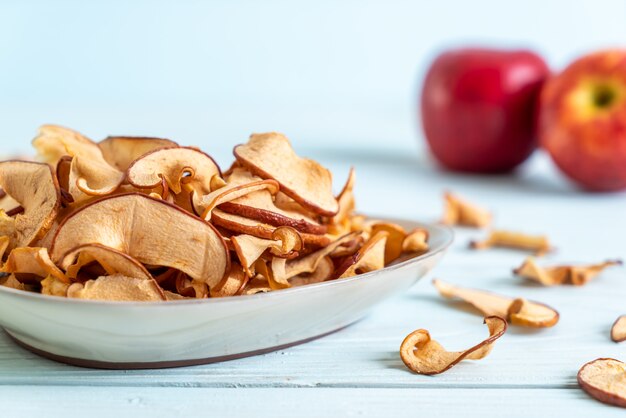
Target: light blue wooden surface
[(357, 372)]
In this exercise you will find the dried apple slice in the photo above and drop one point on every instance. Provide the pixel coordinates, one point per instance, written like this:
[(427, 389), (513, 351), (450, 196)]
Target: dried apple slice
[(618, 330), (35, 188), (243, 225), (283, 270), (261, 206), (370, 257), (416, 241), (117, 288), (340, 222), (423, 355), (54, 287), (324, 271), (149, 230), (90, 174), (499, 238), (178, 166), (233, 284), (516, 310), (270, 156), (240, 183), (121, 151), (605, 380), (258, 284), (285, 241), (32, 260), (53, 142), (458, 211), (559, 275), (395, 239), (111, 260), (191, 288)]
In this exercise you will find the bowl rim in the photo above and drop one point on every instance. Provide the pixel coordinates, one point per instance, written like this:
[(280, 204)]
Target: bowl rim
[(446, 232)]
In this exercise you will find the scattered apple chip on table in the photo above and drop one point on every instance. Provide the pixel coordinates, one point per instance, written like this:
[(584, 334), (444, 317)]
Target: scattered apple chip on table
[(423, 355), (605, 380), (618, 330), (517, 311), (146, 219), (577, 275), (539, 244), (458, 211)]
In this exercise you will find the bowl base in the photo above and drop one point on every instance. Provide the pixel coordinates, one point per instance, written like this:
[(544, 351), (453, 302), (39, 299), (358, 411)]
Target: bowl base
[(96, 364)]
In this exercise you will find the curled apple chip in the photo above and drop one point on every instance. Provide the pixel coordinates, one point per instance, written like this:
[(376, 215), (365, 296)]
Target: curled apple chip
[(35, 188), (605, 380), (233, 284), (324, 271), (243, 225), (283, 270), (618, 330), (423, 355), (249, 249), (517, 311), (117, 288), (370, 257), (90, 174), (259, 284), (270, 156), (111, 260), (538, 244), (565, 274), (182, 166), (416, 241), (458, 211), (340, 223), (32, 260), (239, 184), (149, 230), (121, 151)]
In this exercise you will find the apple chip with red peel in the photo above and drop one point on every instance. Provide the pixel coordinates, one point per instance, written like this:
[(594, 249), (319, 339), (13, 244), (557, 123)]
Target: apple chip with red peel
[(121, 151), (370, 257), (35, 188), (605, 380), (285, 241), (111, 260), (416, 241), (243, 225), (270, 156), (565, 274), (117, 288), (178, 166), (240, 183), (539, 244), (423, 355), (284, 270), (149, 230), (517, 311), (32, 260), (458, 211), (618, 330)]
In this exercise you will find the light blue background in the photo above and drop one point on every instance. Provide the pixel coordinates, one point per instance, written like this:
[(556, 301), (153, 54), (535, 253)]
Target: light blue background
[(331, 73)]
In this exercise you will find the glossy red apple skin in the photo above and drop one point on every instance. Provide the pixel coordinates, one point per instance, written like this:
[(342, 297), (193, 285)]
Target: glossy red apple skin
[(478, 108), (587, 140)]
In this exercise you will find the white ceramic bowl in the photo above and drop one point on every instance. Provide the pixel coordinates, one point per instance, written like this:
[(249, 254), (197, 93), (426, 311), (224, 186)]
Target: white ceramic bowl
[(152, 335)]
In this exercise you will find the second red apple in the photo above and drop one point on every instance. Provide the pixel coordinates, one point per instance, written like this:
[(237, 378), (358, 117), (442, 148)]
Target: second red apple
[(478, 108)]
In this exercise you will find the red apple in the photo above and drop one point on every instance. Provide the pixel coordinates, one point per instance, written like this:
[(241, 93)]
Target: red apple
[(478, 108), (583, 120)]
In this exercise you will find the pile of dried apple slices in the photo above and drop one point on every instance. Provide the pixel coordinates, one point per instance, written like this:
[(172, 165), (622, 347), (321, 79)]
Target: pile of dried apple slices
[(144, 219)]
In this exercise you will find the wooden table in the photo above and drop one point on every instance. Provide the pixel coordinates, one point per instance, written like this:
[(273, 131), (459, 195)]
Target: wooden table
[(357, 372)]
